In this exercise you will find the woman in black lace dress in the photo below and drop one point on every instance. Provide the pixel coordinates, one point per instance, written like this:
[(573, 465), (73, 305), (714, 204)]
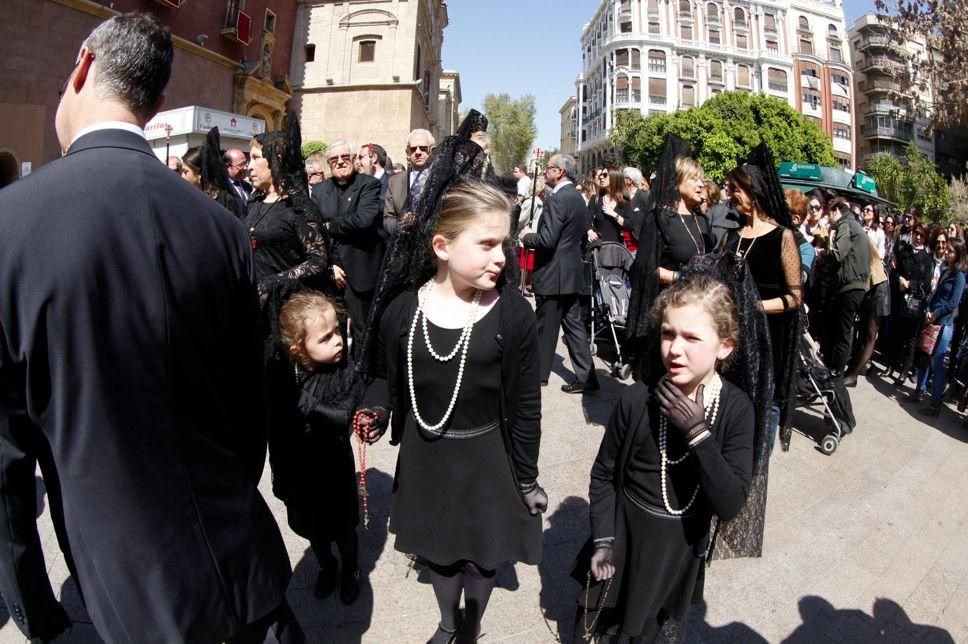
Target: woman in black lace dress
[(767, 244), (202, 166)]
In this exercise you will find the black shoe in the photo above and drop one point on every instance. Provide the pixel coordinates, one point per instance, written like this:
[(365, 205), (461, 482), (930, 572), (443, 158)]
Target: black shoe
[(898, 382), (850, 381), (443, 636), (325, 583), (915, 396), (931, 410), (349, 590), (544, 383), (580, 387)]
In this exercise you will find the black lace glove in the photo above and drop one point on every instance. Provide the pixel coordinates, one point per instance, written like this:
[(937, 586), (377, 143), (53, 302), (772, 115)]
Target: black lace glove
[(603, 565), (687, 416), (535, 498)]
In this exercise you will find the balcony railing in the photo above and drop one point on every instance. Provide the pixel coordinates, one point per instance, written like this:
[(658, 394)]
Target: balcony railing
[(880, 62), (657, 100), (876, 41), (879, 85), (778, 87), (892, 131)]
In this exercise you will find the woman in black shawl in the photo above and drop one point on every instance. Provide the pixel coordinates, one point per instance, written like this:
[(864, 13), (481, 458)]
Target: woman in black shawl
[(766, 244), (203, 166), (672, 232)]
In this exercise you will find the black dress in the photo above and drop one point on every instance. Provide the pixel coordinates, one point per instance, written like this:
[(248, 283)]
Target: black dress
[(286, 245), (455, 496), (314, 471), (659, 556), (765, 258), (607, 228)]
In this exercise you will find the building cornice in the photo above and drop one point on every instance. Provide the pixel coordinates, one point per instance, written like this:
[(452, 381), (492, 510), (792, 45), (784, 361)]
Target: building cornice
[(97, 9)]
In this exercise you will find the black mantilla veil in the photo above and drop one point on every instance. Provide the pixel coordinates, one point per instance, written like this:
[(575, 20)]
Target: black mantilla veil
[(645, 280), (215, 176), (749, 367), (769, 196), (408, 262), (282, 150)]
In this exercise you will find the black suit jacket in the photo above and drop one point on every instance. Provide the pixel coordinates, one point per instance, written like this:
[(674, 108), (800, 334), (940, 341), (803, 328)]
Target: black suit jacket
[(353, 227), (557, 243), (128, 337)]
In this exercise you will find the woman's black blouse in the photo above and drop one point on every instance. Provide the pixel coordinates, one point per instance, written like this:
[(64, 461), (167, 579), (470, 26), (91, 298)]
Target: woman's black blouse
[(682, 238), (286, 245)]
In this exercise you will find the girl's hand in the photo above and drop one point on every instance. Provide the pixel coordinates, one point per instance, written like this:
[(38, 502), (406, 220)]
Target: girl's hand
[(684, 414), (602, 565), (372, 423), (535, 498)]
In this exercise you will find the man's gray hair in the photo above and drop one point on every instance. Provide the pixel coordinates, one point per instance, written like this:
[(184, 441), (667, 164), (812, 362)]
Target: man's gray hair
[(339, 144), (568, 165), (312, 167), (634, 175), (424, 133), (133, 53)]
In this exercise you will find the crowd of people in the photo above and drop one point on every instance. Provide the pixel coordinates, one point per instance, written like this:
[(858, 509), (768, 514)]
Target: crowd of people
[(158, 331)]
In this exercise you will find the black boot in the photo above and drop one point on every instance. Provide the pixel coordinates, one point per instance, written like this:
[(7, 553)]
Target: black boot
[(349, 590)]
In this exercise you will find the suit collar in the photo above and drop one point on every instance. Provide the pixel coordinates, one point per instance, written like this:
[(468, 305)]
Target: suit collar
[(110, 138)]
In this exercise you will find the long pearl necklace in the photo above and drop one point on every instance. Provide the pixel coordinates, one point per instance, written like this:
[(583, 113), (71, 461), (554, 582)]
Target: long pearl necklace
[(462, 344), (712, 392)]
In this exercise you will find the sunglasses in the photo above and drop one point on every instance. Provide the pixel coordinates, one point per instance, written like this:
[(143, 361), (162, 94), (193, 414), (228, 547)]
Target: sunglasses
[(815, 208), (603, 175), (419, 148), (907, 218), (345, 158)]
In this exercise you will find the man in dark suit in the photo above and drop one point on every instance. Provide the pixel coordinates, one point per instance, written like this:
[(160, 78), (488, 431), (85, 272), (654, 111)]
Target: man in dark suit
[(128, 337), (237, 166), (350, 210), (397, 202), (557, 277)]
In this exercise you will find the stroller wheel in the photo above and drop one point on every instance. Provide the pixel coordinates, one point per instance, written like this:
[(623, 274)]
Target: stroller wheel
[(829, 444), (622, 371), (593, 348)]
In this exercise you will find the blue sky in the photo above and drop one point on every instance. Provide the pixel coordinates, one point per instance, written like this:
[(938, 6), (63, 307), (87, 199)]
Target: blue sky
[(530, 47)]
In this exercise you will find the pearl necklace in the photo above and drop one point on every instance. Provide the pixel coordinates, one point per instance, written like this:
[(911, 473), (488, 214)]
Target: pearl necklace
[(713, 391), (463, 343)]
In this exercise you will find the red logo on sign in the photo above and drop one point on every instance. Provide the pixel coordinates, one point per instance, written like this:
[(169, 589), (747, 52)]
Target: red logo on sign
[(233, 122)]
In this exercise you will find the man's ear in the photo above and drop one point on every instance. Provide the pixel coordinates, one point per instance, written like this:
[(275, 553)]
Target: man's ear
[(84, 66)]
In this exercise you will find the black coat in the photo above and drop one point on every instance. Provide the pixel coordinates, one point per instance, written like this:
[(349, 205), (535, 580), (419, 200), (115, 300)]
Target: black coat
[(128, 333), (354, 227), (520, 403), (558, 243)]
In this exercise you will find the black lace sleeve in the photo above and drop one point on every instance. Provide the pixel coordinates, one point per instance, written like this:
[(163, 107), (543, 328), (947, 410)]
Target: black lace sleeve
[(314, 246), (790, 261)]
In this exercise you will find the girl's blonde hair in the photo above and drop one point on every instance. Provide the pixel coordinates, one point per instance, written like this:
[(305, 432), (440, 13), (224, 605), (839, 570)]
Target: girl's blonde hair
[(687, 168), (300, 309), (705, 291), (463, 203)]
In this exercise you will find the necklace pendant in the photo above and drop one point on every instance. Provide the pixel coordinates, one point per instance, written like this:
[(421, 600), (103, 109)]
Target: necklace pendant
[(254, 242), (588, 637)]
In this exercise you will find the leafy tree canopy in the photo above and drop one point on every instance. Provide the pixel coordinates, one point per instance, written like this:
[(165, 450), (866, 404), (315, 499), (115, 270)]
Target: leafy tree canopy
[(722, 131), (911, 181), (512, 129), (311, 147)]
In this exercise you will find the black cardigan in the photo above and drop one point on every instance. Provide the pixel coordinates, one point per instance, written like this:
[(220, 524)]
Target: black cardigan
[(520, 402), (724, 461)]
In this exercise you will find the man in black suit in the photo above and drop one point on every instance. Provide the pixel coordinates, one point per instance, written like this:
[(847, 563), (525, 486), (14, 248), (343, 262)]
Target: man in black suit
[(128, 337), (351, 212), (403, 186), (238, 166), (557, 277)]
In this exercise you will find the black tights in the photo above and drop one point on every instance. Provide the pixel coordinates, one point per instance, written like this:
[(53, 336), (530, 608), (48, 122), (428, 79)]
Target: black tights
[(448, 581), (348, 546), (870, 324)]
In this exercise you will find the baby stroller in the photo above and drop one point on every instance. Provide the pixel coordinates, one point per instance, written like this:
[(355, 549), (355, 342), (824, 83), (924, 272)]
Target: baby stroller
[(816, 384), (611, 264)]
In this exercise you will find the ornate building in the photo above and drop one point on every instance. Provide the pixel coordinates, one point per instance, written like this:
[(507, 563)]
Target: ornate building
[(658, 56), (371, 71), (569, 126), (230, 55)]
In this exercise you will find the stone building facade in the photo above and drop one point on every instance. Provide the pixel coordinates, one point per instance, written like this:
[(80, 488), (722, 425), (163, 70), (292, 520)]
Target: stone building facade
[(568, 141), (370, 71), (659, 56), (231, 55)]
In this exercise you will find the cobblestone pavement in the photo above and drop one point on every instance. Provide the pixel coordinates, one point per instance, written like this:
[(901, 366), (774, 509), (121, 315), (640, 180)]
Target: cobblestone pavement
[(861, 546)]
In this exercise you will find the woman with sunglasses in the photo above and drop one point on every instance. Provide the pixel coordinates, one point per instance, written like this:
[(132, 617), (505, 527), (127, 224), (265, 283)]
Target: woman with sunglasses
[(911, 280), (939, 245), (872, 225), (609, 217)]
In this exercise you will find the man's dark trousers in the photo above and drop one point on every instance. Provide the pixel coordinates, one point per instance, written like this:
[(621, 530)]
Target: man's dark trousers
[(555, 312), (840, 331)]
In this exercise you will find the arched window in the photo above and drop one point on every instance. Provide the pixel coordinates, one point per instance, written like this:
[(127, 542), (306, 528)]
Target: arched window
[(688, 66), (777, 80), (712, 13), (622, 58), (622, 89), (688, 95), (636, 63), (715, 71), (832, 30), (803, 23), (739, 17), (657, 60), (685, 8), (742, 76)]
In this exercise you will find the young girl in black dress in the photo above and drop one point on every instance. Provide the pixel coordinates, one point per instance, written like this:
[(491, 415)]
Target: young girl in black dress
[(458, 365), (313, 469), (673, 455)]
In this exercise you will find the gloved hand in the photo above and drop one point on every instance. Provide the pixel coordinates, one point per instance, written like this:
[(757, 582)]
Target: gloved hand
[(603, 566), (684, 414), (374, 422), (535, 498), (306, 403)]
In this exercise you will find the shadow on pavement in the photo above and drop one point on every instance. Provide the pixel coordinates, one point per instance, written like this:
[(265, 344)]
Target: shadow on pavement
[(948, 423), (567, 531), (889, 623)]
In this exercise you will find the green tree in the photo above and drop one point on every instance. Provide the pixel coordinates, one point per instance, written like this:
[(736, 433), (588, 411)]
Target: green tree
[(958, 196), (311, 147), (511, 127), (722, 131), (912, 181)]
